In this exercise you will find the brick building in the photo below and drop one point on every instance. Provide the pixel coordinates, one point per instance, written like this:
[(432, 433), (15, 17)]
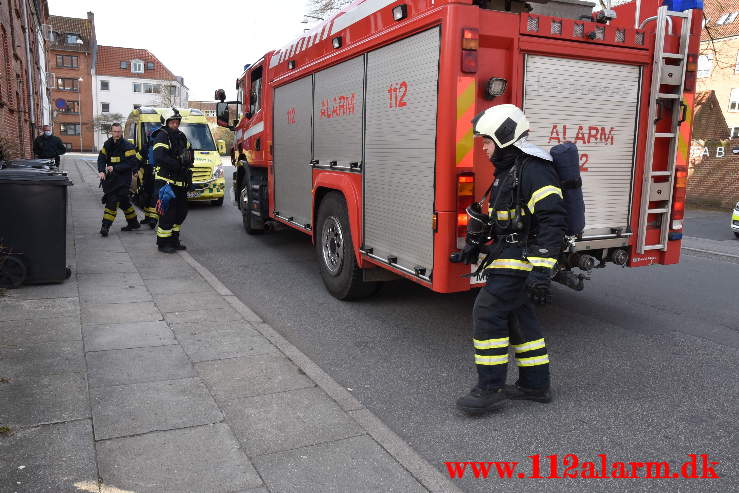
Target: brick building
[(714, 157), (23, 90), (72, 53)]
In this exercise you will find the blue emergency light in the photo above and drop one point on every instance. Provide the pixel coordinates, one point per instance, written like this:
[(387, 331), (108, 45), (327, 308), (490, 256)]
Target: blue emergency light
[(680, 5)]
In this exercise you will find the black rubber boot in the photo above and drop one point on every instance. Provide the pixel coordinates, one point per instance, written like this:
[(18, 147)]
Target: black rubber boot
[(104, 230), (176, 241), (167, 248), (522, 393), (480, 401), (133, 224)]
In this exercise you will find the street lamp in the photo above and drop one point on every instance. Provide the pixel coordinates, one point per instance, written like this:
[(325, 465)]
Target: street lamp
[(79, 108)]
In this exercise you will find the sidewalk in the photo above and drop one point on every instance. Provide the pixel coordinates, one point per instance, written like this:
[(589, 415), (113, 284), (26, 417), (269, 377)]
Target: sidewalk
[(143, 373)]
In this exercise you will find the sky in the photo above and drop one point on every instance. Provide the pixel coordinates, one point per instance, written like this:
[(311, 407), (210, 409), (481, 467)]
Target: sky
[(206, 42)]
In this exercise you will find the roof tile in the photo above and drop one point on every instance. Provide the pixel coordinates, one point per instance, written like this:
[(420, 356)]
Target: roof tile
[(110, 57)]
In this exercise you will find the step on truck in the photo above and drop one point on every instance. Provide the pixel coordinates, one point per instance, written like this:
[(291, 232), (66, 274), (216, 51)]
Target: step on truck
[(358, 132)]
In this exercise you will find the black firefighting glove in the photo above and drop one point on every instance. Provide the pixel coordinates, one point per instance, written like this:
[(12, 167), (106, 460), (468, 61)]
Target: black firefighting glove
[(469, 254), (539, 285)]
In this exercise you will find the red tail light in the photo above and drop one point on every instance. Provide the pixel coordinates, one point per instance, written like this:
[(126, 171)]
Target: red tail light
[(465, 197), (470, 44), (678, 196)]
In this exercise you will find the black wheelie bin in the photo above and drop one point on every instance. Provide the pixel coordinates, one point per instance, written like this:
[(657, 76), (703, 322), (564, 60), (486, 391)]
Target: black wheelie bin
[(33, 225)]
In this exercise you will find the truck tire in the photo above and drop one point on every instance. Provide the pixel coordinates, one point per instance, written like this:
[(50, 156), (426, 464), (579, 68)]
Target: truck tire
[(335, 250), (254, 189), (737, 235)]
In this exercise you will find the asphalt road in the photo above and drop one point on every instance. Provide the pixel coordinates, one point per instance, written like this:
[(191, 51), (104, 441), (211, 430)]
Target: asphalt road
[(713, 225), (644, 361)]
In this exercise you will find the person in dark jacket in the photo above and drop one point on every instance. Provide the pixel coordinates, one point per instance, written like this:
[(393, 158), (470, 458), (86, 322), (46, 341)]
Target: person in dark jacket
[(48, 146), (150, 192), (528, 221), (173, 158), (117, 161)]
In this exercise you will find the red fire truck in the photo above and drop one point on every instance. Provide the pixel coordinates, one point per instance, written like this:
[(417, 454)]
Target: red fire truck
[(358, 132)]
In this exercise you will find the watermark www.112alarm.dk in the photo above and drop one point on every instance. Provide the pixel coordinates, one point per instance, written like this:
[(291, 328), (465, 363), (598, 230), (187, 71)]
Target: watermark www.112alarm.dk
[(570, 466)]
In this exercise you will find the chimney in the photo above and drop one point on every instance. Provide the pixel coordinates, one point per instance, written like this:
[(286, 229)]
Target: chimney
[(91, 17)]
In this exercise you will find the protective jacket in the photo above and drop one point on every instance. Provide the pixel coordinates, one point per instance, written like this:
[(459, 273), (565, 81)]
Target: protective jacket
[(47, 147), (124, 159), (173, 157), (527, 211)]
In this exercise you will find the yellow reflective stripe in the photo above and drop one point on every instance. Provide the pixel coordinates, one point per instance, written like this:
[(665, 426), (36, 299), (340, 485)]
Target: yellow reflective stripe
[(504, 263), (130, 152), (109, 217), (139, 157), (164, 233), (491, 360), (528, 346), (543, 193), (175, 183), (542, 261), (503, 215), (104, 151), (533, 361), (160, 144), (490, 343), (176, 227), (115, 160)]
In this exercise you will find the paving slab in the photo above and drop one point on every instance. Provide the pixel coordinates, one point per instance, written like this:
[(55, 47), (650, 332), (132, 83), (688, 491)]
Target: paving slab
[(125, 293), (222, 344), (126, 336), (55, 458), (109, 279), (45, 358), (111, 313), (287, 420), (18, 309), (194, 328), (19, 332), (231, 379), (126, 410), (189, 301), (113, 262), (127, 366), (201, 459), (161, 271), (354, 464), (204, 316), (178, 285), (66, 289), (28, 401)]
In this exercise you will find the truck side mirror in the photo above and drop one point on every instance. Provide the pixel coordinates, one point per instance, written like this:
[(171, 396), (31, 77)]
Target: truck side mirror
[(222, 114)]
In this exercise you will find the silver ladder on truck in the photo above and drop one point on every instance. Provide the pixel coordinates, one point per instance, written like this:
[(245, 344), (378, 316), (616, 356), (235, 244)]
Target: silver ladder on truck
[(655, 188)]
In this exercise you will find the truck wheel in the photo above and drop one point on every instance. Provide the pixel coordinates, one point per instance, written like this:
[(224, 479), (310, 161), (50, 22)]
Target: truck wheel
[(736, 234), (253, 225), (335, 250), (217, 202)]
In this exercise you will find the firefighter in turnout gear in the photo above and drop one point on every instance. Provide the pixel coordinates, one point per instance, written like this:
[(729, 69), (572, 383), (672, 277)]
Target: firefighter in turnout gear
[(150, 192), (116, 162), (527, 222), (174, 158)]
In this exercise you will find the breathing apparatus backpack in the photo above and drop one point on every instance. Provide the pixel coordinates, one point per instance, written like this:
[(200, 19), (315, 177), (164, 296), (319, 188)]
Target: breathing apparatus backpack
[(566, 161)]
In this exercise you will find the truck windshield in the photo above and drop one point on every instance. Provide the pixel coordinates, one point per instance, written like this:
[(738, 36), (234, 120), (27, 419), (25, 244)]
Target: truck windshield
[(199, 136)]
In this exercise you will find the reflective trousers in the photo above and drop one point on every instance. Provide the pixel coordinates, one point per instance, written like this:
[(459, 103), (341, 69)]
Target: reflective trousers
[(168, 230), (113, 201), (504, 319), (151, 194)]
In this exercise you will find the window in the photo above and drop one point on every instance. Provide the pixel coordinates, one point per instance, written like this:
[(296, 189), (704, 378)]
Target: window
[(105, 107), (149, 65), (199, 136), (172, 90), (69, 128), (705, 65), (71, 107), (734, 132), (137, 67), (104, 85), (72, 39), (137, 87), (68, 84), (255, 97), (124, 65), (136, 106), (734, 100), (736, 67), (152, 88), (726, 18), (65, 61)]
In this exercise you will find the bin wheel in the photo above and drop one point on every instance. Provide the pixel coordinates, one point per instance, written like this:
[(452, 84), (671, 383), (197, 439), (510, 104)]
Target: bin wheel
[(67, 273), (12, 272)]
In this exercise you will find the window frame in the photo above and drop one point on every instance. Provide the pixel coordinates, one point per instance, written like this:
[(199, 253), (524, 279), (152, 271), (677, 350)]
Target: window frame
[(74, 61), (705, 71), (734, 100), (137, 64), (63, 87), (123, 65), (75, 104), (149, 66), (102, 107), (64, 125), (734, 132), (140, 87), (107, 83), (76, 36)]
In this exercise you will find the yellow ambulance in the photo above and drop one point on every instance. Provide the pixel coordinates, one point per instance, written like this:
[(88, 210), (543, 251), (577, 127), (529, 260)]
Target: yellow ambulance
[(208, 181)]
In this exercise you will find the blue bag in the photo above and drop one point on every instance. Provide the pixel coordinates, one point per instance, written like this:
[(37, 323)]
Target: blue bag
[(166, 194), (567, 164)]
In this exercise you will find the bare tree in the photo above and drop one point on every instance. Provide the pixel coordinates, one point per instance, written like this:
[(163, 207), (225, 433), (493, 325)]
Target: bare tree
[(325, 8), (166, 97), (102, 122)]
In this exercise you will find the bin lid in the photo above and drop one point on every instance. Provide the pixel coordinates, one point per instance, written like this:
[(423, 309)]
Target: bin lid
[(33, 176), (47, 164)]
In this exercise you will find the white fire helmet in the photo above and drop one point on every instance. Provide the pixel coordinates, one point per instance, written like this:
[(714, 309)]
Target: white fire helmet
[(504, 124)]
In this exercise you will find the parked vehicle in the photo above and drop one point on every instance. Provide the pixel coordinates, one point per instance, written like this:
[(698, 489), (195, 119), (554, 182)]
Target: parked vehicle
[(735, 220), (358, 132)]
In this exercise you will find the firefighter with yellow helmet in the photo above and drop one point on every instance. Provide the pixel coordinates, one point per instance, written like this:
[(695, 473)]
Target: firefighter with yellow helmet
[(526, 223)]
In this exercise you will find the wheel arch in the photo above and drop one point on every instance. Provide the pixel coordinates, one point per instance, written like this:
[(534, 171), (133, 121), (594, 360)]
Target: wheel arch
[(326, 183)]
